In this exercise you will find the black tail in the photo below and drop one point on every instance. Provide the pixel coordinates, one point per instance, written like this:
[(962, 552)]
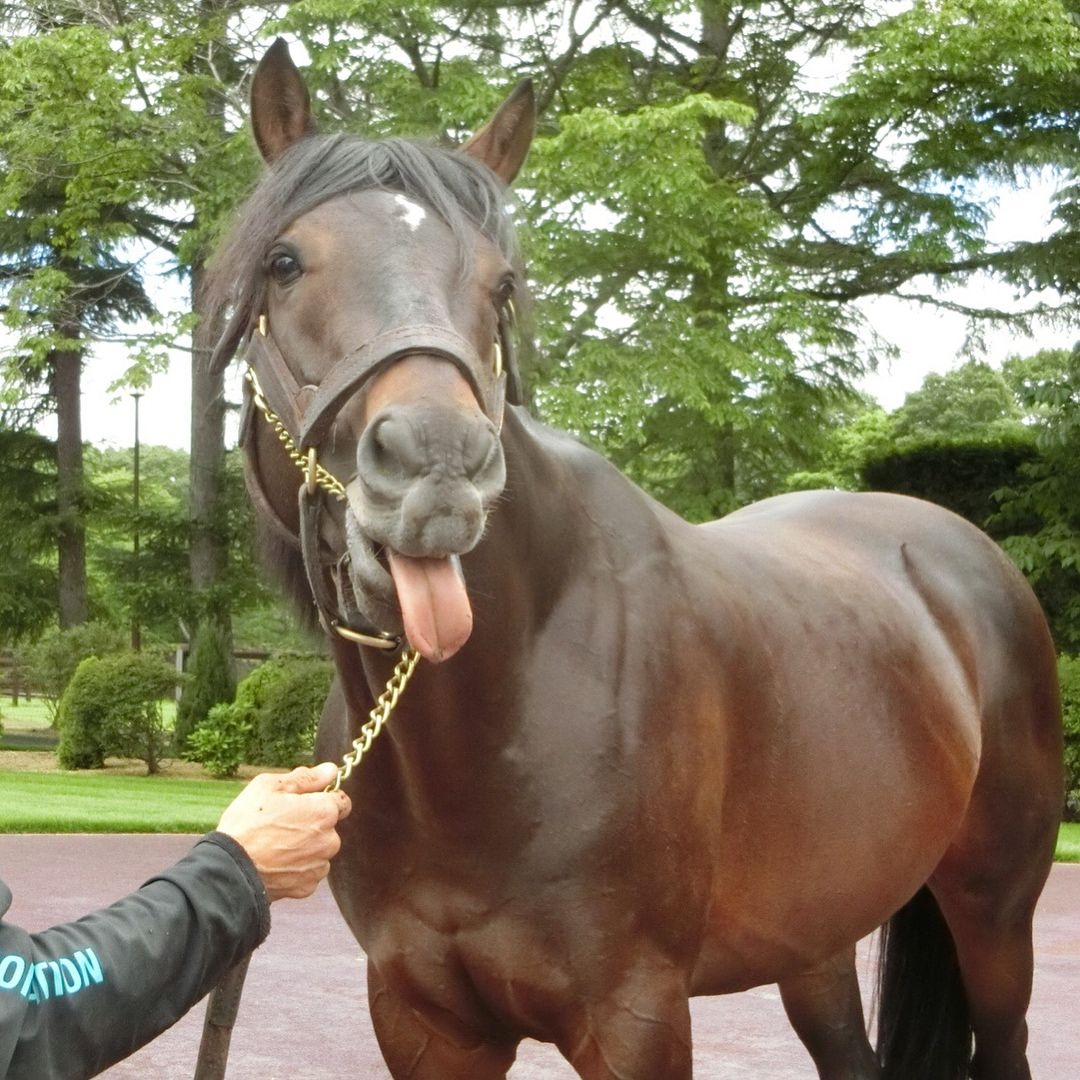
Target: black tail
[(923, 1027)]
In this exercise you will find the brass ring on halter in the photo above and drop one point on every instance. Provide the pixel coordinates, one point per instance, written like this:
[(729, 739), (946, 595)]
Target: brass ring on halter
[(312, 471), (263, 325), (381, 641), (498, 364)]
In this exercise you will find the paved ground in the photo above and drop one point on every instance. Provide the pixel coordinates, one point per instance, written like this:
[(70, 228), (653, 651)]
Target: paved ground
[(304, 1016)]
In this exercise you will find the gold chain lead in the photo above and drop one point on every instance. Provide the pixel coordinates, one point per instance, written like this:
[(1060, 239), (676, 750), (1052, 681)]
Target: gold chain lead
[(378, 716), (399, 679)]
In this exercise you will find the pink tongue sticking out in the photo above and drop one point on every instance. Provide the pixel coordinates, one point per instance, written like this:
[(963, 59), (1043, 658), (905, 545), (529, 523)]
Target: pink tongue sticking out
[(434, 605)]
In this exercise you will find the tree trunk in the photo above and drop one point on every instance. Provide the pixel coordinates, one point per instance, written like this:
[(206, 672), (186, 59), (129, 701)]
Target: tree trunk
[(209, 540), (208, 554), (71, 531)]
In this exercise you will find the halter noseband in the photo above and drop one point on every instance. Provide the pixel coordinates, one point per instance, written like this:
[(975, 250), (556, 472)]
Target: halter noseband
[(311, 411)]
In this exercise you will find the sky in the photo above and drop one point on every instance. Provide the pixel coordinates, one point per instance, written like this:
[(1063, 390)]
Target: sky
[(928, 340)]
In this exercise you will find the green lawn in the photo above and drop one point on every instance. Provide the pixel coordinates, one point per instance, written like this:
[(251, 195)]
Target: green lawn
[(34, 715), (67, 802), (1068, 846), (27, 715)]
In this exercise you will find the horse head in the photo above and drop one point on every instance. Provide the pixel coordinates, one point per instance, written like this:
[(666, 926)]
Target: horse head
[(373, 283)]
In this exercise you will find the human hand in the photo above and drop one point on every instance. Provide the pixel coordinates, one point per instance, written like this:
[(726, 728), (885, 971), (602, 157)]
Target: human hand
[(287, 823)]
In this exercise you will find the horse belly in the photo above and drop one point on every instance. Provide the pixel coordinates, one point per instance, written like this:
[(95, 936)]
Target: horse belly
[(846, 795)]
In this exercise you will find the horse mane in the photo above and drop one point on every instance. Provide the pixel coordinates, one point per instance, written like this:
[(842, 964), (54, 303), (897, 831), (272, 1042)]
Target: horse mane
[(463, 192), (285, 565)]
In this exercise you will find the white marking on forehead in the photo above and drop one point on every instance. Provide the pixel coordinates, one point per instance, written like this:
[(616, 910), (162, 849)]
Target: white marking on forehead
[(411, 213)]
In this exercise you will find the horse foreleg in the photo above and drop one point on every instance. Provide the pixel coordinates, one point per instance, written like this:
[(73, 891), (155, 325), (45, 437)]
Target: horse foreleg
[(414, 1050), (824, 1006)]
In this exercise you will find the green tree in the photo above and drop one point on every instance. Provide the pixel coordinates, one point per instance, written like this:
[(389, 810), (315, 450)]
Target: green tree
[(27, 541), (153, 587), (288, 721), (92, 192), (50, 662), (272, 721), (852, 436), (62, 277), (212, 680), (707, 203), (972, 401), (1049, 492)]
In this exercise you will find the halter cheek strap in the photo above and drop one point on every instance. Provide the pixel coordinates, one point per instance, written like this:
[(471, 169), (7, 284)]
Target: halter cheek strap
[(339, 617)]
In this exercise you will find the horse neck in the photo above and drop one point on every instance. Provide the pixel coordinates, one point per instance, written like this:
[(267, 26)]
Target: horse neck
[(457, 718)]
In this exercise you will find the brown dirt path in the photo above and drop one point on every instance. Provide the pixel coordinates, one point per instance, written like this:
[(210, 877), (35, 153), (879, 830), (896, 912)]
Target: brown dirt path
[(304, 1016)]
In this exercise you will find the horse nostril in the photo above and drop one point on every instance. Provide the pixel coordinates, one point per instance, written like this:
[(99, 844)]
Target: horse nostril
[(389, 448), (481, 444)]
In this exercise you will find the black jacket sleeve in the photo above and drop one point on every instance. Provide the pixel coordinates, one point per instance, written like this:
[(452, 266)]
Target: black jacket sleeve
[(77, 998)]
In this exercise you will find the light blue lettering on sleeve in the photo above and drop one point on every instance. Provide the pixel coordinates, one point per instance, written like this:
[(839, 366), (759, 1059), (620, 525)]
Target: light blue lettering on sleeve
[(46, 979)]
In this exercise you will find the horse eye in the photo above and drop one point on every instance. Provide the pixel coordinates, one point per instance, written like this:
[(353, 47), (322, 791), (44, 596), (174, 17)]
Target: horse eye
[(284, 267)]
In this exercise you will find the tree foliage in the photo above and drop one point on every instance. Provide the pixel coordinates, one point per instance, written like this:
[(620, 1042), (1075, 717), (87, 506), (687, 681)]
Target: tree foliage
[(212, 679), (291, 714), (971, 401), (51, 662), (713, 190), (1049, 490), (708, 199), (27, 576), (272, 720), (154, 587)]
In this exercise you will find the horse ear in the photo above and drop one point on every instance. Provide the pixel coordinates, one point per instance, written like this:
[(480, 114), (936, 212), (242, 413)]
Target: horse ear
[(280, 103), (502, 143)]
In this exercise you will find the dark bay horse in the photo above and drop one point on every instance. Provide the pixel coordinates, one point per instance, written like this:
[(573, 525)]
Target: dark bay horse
[(648, 759)]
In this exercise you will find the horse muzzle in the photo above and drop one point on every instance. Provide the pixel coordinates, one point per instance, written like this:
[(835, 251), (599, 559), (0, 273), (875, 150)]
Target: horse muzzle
[(426, 478)]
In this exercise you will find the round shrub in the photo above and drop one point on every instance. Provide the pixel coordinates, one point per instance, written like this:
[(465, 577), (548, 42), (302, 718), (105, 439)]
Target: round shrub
[(288, 720), (220, 742), (112, 707), (272, 721)]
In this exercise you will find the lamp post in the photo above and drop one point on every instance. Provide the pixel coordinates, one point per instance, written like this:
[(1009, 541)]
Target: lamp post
[(136, 629)]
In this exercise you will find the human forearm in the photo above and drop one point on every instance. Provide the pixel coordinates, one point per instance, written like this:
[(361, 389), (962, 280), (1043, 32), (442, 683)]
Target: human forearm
[(76, 998)]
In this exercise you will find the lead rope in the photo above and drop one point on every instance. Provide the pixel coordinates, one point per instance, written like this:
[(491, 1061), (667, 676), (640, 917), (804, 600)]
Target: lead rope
[(224, 1003)]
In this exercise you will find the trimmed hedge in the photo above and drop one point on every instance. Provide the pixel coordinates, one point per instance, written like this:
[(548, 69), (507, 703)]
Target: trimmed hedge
[(272, 721), (112, 707), (1069, 677), (960, 474)]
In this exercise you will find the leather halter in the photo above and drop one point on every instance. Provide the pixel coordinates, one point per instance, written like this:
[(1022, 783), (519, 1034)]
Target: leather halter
[(303, 415), (310, 411)]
